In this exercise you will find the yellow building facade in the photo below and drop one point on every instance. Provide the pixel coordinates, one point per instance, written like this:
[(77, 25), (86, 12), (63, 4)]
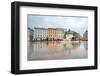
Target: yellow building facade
[(55, 34), (51, 33)]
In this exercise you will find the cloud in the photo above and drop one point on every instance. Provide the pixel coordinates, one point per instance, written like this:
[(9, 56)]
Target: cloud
[(78, 24)]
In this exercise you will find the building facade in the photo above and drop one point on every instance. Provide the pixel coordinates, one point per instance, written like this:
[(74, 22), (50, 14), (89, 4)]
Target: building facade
[(51, 33), (68, 35), (40, 34), (30, 34), (59, 34), (72, 36), (55, 34)]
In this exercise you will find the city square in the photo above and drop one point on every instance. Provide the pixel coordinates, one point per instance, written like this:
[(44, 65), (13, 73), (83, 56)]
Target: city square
[(46, 42)]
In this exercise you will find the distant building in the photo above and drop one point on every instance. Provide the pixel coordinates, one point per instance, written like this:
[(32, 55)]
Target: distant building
[(51, 33), (40, 33), (72, 35), (85, 35), (59, 34), (69, 37), (55, 34), (30, 34)]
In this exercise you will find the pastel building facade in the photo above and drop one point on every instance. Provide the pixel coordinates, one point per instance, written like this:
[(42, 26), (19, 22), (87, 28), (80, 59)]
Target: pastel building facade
[(45, 34), (72, 36), (51, 33), (69, 35), (55, 34), (59, 34)]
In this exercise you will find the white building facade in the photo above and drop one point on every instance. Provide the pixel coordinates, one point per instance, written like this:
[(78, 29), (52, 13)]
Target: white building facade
[(40, 34), (30, 34)]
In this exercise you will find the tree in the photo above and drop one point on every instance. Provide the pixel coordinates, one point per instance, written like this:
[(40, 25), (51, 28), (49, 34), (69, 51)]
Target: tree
[(75, 33)]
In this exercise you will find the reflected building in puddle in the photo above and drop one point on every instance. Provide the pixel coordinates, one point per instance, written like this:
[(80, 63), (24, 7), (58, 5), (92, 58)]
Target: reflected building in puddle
[(52, 50)]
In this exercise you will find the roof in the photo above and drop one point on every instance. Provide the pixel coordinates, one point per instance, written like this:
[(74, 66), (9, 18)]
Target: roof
[(40, 28), (30, 29)]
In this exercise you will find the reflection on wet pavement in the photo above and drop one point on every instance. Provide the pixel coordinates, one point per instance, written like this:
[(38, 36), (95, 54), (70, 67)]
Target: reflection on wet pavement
[(54, 50)]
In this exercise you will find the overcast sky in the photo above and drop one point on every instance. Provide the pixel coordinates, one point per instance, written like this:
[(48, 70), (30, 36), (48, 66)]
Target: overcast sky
[(78, 24)]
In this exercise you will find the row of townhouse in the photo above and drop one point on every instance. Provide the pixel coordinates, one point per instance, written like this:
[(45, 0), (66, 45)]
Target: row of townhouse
[(30, 34), (40, 34), (46, 34), (55, 34)]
